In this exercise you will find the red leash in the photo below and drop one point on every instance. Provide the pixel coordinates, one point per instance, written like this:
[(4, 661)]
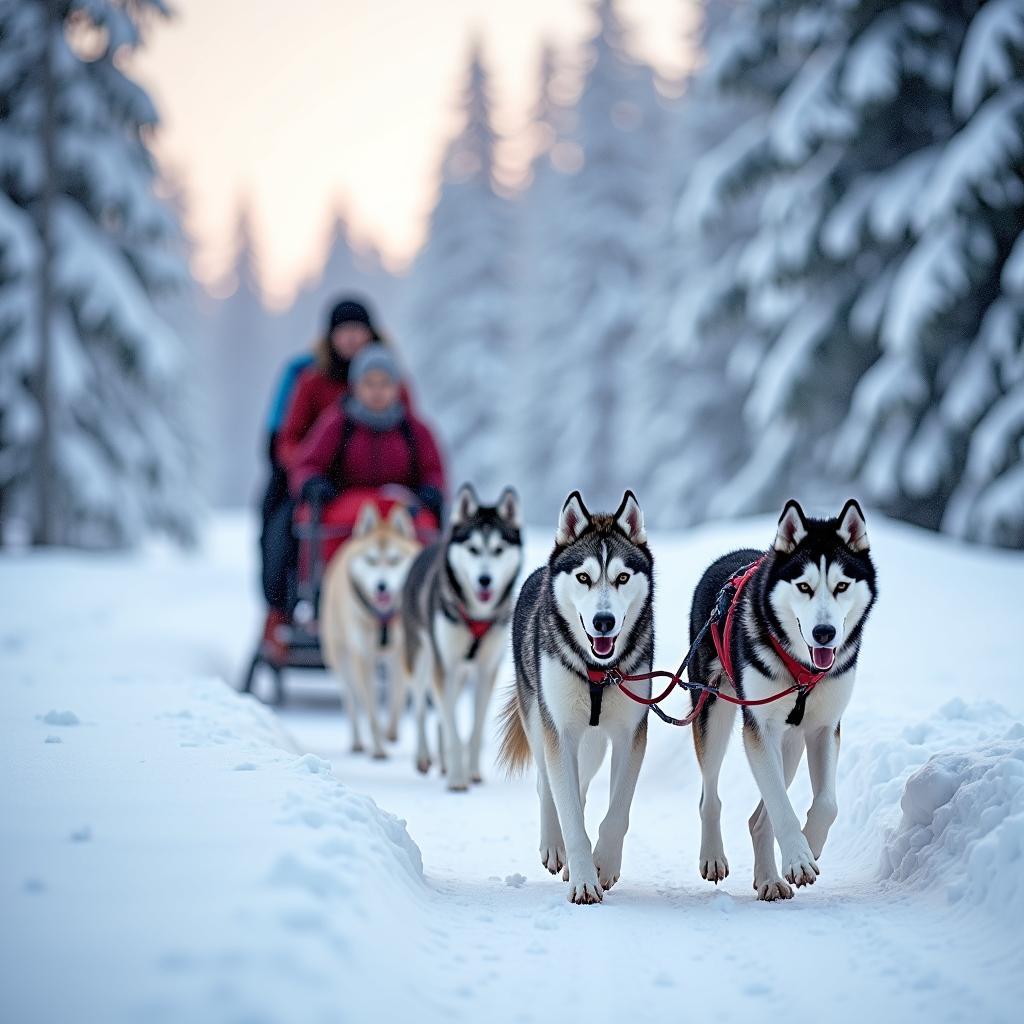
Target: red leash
[(805, 680)]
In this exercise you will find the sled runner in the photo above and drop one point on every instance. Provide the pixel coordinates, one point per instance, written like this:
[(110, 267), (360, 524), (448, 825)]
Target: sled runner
[(320, 533)]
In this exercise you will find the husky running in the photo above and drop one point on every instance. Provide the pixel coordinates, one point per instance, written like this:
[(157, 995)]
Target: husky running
[(359, 623), (456, 608), (588, 611), (797, 617)]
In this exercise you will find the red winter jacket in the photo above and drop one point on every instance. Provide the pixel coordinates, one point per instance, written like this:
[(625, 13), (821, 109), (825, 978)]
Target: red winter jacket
[(314, 393), (371, 458)]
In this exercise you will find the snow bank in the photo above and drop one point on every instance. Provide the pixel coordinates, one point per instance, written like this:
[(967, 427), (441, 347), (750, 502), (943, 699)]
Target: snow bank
[(168, 856), (962, 830)]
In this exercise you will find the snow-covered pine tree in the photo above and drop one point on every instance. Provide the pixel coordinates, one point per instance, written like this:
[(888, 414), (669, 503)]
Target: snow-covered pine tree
[(348, 266), (937, 424), (693, 356), (243, 363), (94, 447), (598, 260), (878, 242), (458, 312), (538, 215)]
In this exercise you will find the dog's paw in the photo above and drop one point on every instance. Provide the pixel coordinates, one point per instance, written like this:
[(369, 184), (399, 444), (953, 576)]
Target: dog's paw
[(458, 786), (608, 864), (380, 755), (772, 889), (552, 856), (714, 866), (476, 778), (423, 765), (392, 734), (358, 748), (585, 888), (798, 865)]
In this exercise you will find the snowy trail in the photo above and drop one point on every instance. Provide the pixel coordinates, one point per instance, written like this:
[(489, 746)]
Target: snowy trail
[(177, 852), (664, 943)]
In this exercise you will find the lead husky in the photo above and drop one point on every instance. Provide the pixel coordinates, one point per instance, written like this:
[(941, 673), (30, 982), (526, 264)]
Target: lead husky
[(588, 611), (806, 604), (359, 622), (455, 609)]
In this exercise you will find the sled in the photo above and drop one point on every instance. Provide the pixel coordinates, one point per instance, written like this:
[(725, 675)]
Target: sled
[(320, 533)]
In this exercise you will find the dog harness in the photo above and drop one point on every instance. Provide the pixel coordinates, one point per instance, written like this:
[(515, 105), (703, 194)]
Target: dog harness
[(383, 618), (804, 680), (478, 629)]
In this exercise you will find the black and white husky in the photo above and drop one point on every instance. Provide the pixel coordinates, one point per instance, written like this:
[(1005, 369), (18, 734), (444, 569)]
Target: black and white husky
[(798, 617), (588, 611), (456, 607)]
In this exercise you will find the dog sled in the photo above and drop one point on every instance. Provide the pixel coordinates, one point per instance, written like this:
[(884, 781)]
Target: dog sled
[(320, 532)]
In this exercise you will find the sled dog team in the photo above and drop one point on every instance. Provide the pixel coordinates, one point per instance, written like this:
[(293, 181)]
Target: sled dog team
[(786, 621)]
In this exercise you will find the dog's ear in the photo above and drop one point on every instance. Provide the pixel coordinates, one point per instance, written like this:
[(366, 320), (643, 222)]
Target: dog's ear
[(573, 521), (368, 519), (465, 505), (509, 508), (630, 519), (401, 522), (853, 531), (792, 528)]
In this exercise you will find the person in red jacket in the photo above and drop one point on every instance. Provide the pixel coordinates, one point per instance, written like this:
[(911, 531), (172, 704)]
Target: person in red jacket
[(321, 384), (369, 439)]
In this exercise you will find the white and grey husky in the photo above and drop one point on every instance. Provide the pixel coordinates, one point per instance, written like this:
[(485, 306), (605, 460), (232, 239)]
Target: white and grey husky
[(587, 612), (797, 619), (456, 608)]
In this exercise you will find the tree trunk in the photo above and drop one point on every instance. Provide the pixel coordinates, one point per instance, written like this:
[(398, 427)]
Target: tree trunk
[(46, 529)]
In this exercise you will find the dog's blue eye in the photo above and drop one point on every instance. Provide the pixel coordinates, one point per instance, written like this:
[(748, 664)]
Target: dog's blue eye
[(583, 578), (805, 588)]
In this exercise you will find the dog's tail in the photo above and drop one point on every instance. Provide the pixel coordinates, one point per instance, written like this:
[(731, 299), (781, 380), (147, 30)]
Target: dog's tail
[(514, 754)]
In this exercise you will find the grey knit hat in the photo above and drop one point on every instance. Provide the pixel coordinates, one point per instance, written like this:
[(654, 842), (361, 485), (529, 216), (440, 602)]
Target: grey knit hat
[(373, 357)]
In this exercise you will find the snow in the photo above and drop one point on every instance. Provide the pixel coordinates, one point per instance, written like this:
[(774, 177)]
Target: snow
[(223, 862), (986, 59), (962, 828)]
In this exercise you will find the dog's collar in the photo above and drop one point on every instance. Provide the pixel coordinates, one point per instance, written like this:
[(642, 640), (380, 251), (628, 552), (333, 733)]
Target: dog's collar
[(383, 618), (805, 678)]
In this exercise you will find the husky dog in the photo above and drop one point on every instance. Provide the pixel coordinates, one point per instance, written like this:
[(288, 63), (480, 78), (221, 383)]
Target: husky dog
[(359, 623), (587, 612), (455, 609), (798, 617)]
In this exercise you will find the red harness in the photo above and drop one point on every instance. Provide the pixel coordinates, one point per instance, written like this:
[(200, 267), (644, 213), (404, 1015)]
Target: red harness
[(477, 630), (804, 679)]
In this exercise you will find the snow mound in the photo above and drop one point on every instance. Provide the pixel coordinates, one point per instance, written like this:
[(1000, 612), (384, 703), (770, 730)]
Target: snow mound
[(185, 812), (962, 829)]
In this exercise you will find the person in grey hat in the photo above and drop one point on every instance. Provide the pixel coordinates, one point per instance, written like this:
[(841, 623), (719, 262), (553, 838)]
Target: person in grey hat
[(370, 439)]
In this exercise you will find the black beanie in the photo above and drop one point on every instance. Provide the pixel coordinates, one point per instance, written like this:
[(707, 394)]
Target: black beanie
[(349, 311)]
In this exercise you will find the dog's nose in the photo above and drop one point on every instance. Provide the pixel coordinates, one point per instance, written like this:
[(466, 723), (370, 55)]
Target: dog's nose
[(824, 634), (382, 586), (604, 623), (485, 581)]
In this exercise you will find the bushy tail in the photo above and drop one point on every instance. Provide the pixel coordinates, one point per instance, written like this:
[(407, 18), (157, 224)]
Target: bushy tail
[(514, 754)]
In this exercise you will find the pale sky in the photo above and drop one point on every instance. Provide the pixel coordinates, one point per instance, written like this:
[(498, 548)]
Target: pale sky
[(304, 105)]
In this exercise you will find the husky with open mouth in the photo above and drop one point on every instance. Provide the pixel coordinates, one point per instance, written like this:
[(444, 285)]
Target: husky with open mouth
[(456, 608), (360, 626), (796, 617), (587, 613)]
